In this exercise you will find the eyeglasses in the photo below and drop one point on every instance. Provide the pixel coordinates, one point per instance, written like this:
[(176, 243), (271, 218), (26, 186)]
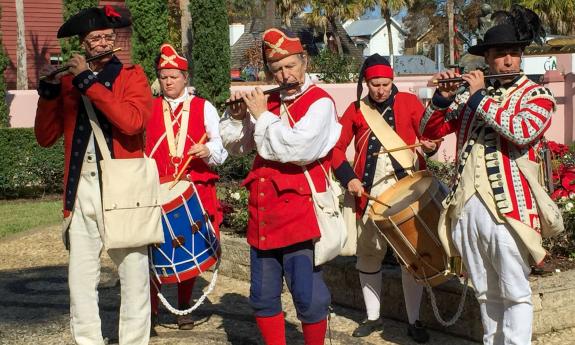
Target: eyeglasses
[(93, 40)]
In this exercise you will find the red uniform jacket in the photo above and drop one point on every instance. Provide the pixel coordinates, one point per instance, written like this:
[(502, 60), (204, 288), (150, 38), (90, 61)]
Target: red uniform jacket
[(198, 171), (123, 101), (407, 111), (280, 206)]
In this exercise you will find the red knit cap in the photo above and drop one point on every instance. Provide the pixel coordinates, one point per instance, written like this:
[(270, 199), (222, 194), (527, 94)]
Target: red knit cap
[(278, 44), (170, 59)]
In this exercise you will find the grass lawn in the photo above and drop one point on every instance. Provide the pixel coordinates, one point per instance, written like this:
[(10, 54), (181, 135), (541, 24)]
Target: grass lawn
[(21, 215)]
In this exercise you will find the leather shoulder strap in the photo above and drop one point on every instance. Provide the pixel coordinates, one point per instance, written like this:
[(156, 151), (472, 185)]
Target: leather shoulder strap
[(387, 136)]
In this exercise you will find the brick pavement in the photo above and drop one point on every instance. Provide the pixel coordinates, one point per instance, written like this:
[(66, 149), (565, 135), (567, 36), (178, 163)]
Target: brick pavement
[(34, 305)]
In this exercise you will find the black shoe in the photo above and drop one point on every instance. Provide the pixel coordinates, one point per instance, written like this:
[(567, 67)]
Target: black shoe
[(153, 324), (185, 322), (417, 332), (366, 327)]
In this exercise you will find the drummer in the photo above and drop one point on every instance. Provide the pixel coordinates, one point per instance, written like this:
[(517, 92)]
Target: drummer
[(384, 118), (178, 123)]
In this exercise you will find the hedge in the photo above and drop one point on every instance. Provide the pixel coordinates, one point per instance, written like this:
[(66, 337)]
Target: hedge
[(26, 169)]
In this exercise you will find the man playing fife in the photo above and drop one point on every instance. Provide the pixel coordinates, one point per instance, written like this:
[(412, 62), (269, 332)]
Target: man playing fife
[(188, 118), (491, 217), (123, 102), (291, 130)]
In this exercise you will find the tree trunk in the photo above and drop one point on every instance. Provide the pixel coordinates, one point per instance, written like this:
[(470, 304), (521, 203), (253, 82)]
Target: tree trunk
[(335, 33), (21, 64), (451, 31), (270, 14), (185, 22), (386, 14)]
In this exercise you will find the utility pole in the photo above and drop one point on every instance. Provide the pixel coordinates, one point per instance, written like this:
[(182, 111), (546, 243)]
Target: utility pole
[(450, 17), (21, 64)]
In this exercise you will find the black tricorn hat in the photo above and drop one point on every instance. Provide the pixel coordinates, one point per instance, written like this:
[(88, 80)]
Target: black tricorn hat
[(498, 36), (91, 19), (518, 27)]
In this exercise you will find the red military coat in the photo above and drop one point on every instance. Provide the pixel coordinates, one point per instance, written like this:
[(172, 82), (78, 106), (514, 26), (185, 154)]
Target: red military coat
[(280, 206), (198, 171), (124, 99), (407, 110)]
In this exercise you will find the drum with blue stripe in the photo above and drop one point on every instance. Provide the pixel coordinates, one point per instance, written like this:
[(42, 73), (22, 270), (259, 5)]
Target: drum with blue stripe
[(191, 245)]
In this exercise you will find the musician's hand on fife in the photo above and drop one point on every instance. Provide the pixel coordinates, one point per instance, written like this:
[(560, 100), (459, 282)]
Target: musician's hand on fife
[(199, 151), (447, 90), (77, 64), (238, 110), (48, 69), (256, 101), (428, 145), (355, 187), (476, 81)]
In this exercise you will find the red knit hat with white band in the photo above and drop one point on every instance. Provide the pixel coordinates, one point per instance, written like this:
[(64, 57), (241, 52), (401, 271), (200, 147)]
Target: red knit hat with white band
[(375, 66)]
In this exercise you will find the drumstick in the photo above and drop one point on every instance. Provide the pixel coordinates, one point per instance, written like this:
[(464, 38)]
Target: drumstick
[(188, 161), (375, 199), (405, 147)]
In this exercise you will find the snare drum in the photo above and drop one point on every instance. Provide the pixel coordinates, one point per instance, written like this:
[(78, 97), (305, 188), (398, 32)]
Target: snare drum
[(410, 226), (191, 245)]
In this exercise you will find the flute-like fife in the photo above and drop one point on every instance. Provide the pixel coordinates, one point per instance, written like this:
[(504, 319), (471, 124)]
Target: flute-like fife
[(459, 79), (90, 59), (267, 92)]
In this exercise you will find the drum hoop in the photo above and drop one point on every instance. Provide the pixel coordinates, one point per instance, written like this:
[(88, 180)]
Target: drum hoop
[(177, 201), (410, 210)]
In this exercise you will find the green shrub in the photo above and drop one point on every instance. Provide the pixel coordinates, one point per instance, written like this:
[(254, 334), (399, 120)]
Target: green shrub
[(235, 168), (149, 31), (210, 50), (232, 196), (4, 111), (444, 171), (234, 201), (26, 169), (72, 7), (333, 68)]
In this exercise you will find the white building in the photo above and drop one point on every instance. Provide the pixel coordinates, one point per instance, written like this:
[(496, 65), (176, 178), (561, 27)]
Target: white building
[(371, 36)]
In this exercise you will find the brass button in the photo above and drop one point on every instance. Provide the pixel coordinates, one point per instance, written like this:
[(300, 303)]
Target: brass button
[(262, 238), (262, 194), (262, 179)]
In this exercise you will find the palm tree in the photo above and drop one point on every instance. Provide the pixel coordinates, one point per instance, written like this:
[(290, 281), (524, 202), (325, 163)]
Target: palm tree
[(22, 66), (386, 8), (557, 14), (288, 9), (326, 13)]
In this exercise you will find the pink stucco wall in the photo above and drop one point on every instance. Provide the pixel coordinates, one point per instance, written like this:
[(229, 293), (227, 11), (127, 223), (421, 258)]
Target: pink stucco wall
[(561, 83)]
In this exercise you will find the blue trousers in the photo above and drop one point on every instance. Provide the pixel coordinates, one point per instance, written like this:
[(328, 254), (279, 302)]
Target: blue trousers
[(310, 295)]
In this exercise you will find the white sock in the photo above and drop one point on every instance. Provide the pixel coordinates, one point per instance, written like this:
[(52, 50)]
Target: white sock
[(371, 288), (412, 292)]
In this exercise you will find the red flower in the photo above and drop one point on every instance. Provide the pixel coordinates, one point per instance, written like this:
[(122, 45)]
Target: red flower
[(558, 150)]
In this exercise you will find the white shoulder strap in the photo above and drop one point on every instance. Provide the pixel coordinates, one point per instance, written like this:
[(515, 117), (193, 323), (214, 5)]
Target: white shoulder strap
[(100, 140)]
